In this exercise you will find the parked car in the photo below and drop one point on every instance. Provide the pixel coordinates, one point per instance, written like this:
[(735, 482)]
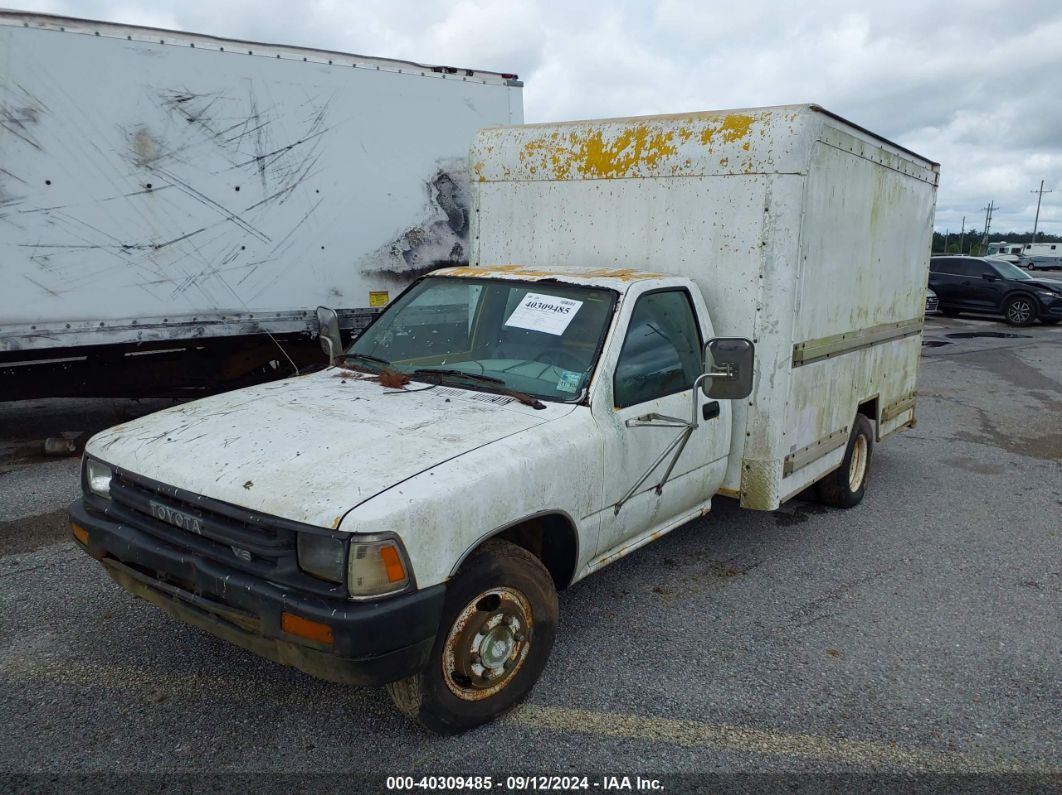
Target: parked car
[(976, 284), (932, 302)]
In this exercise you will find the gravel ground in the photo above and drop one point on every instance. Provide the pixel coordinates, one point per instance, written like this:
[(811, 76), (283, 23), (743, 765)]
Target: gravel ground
[(918, 634)]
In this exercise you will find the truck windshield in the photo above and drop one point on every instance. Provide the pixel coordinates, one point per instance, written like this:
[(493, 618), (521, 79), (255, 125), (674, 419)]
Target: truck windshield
[(541, 339)]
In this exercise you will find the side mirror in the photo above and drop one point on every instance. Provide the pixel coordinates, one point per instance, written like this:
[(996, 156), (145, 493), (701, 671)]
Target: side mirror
[(728, 368), (328, 329)]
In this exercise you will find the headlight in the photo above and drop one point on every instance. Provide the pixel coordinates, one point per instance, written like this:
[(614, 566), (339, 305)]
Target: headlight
[(376, 566), (321, 556), (1046, 295), (98, 478)]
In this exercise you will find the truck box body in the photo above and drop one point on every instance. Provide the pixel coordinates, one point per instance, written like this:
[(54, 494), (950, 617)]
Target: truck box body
[(805, 234), (159, 187)]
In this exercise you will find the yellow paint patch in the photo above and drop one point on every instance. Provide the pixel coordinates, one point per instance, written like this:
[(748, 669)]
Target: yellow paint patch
[(733, 128), (636, 150), (336, 521)]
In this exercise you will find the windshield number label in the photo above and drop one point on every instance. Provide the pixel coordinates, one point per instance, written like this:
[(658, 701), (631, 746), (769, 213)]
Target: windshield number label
[(569, 381), (546, 313)]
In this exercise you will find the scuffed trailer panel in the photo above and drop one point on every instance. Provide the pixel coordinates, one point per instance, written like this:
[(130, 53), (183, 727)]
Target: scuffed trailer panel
[(158, 185)]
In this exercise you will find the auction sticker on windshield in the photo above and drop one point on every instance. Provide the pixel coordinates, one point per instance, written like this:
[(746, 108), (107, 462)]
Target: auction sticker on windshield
[(546, 313), (569, 381)]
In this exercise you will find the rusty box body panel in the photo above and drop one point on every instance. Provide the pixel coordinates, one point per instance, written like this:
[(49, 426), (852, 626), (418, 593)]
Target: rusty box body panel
[(805, 233)]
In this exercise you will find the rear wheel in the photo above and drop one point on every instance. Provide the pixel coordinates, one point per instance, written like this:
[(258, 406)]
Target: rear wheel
[(1019, 311), (845, 486), (495, 637)]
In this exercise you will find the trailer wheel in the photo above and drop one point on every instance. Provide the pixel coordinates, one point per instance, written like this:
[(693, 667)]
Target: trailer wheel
[(845, 486), (495, 637)]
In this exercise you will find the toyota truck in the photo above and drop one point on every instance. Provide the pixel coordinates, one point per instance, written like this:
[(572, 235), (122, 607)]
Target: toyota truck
[(657, 312)]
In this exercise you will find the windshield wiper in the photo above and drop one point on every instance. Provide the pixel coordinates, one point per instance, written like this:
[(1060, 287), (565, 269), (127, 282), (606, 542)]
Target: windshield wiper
[(366, 357), (523, 397), (461, 373)]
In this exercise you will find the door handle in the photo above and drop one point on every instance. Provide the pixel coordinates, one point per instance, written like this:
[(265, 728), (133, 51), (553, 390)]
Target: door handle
[(710, 410)]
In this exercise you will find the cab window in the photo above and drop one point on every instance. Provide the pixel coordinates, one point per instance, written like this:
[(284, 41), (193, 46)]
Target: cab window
[(662, 351)]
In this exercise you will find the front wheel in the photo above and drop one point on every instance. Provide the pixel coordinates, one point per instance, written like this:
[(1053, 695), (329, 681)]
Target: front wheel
[(1020, 311), (845, 486), (496, 634)]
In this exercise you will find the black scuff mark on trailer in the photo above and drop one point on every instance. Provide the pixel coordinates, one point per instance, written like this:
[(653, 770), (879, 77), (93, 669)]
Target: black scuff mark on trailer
[(14, 120), (440, 242), (6, 173), (205, 200), (259, 143), (20, 110), (38, 209), (48, 290)]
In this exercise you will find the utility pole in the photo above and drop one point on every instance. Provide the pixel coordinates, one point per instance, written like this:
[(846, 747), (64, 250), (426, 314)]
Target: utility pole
[(1040, 195), (988, 221), (962, 236), (945, 241)]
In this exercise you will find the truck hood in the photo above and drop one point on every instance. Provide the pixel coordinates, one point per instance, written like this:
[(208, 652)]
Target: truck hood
[(311, 448)]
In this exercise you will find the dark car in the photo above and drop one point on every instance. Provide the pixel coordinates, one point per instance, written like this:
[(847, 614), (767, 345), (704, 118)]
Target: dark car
[(973, 284)]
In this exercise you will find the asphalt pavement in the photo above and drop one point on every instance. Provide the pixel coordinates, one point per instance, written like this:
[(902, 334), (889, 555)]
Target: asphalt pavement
[(914, 639)]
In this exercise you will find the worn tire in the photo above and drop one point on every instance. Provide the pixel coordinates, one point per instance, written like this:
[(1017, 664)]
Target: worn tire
[(1020, 311), (846, 485), (444, 698)]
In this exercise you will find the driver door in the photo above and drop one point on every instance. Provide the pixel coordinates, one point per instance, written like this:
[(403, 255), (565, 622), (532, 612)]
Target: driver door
[(659, 361)]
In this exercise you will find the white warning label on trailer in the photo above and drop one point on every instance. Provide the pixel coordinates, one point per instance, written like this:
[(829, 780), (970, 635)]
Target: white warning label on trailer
[(546, 313)]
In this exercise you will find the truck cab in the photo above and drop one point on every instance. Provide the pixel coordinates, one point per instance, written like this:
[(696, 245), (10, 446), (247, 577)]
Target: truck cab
[(497, 434)]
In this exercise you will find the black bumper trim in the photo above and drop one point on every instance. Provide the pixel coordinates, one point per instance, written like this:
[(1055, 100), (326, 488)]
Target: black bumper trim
[(375, 642)]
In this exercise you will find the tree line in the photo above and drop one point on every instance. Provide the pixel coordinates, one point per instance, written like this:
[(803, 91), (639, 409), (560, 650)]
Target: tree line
[(972, 242)]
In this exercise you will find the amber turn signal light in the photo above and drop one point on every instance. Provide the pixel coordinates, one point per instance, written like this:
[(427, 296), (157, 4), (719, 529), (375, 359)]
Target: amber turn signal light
[(305, 628), (392, 564), (80, 533)]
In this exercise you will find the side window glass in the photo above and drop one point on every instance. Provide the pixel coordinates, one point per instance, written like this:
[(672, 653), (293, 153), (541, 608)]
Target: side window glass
[(662, 352)]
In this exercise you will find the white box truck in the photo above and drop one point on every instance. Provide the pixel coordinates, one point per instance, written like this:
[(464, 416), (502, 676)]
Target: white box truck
[(174, 207), (658, 311)]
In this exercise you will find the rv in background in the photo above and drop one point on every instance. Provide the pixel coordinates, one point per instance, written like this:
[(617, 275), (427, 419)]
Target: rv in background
[(1011, 252), (1041, 256)]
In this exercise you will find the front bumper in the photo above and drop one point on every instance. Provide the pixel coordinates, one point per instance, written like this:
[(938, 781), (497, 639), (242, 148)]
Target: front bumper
[(373, 642), (1051, 307)]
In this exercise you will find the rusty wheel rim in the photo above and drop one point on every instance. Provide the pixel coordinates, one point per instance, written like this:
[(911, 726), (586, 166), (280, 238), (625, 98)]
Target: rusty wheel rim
[(858, 466), (487, 644)]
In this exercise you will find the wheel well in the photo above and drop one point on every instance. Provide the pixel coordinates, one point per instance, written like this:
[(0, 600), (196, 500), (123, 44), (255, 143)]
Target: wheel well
[(869, 409), (1020, 294), (552, 539)]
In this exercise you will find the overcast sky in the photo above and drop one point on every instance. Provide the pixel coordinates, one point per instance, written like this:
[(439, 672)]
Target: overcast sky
[(974, 85)]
